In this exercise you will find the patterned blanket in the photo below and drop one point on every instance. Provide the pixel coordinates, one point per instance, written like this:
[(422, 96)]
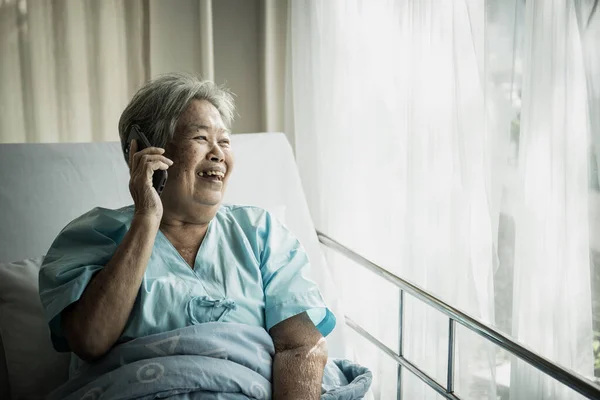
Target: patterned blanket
[(215, 360)]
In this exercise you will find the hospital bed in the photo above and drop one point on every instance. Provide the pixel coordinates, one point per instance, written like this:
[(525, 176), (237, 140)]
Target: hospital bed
[(44, 186)]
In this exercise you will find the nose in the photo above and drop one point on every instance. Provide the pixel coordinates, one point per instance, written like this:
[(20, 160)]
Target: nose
[(216, 153)]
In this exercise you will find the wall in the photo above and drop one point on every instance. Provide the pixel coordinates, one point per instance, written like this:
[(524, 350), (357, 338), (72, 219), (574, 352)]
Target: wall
[(175, 37), (236, 47)]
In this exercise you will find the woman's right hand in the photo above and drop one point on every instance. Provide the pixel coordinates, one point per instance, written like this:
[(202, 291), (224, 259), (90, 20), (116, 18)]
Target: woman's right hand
[(142, 165)]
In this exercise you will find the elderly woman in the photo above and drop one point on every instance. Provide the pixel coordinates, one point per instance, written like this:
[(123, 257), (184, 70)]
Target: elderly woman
[(182, 257)]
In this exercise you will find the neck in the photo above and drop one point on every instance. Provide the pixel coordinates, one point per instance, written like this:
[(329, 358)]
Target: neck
[(186, 231)]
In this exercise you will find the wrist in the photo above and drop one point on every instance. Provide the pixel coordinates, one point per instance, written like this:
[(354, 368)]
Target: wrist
[(147, 219)]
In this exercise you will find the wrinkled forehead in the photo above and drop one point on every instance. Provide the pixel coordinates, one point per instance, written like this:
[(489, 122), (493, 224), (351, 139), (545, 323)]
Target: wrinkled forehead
[(201, 115)]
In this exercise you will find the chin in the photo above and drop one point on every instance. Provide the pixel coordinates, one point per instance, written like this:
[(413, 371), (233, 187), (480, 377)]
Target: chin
[(209, 201)]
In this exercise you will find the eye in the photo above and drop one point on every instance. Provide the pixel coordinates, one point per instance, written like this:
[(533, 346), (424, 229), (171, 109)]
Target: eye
[(225, 142), (201, 138)]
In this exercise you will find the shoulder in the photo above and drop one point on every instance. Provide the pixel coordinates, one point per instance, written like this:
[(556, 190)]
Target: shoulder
[(97, 213), (101, 221), (100, 217), (260, 225), (257, 223), (243, 213), (253, 216)]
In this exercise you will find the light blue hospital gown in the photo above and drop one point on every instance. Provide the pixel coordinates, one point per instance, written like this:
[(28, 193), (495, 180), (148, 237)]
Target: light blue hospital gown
[(250, 269)]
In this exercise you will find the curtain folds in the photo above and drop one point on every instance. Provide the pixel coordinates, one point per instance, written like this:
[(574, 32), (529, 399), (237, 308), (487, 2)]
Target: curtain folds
[(68, 68), (448, 141)]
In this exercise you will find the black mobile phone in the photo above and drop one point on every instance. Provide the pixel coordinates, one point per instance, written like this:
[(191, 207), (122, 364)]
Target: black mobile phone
[(159, 178)]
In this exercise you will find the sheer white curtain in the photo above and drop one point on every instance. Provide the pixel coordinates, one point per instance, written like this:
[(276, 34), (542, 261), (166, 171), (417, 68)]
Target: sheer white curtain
[(416, 124), (68, 67), (394, 148), (552, 292)]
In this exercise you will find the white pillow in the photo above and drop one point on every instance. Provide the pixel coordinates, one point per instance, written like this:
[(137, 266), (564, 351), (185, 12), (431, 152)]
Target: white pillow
[(34, 368)]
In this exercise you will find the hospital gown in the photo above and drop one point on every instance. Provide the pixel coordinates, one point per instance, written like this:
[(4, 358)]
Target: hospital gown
[(249, 269)]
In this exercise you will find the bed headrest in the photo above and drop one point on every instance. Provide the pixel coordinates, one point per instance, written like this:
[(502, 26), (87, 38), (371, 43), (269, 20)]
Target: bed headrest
[(44, 186)]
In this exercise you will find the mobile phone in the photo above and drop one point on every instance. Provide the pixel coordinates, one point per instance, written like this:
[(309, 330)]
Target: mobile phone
[(159, 178)]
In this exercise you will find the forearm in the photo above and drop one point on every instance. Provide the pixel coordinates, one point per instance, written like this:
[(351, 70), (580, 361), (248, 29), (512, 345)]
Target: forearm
[(95, 322), (298, 373)]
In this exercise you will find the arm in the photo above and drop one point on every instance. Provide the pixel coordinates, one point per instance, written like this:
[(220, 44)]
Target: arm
[(300, 358), (95, 322)]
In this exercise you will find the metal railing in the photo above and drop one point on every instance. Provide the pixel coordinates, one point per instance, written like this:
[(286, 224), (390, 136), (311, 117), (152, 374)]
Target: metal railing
[(569, 378)]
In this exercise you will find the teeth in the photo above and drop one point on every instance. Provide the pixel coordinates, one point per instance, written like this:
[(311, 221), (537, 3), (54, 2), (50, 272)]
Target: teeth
[(212, 173)]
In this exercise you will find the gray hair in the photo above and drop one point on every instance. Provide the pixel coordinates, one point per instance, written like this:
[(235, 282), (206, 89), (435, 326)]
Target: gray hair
[(157, 106)]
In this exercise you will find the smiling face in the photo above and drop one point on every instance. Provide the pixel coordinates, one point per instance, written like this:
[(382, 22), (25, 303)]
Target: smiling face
[(202, 163)]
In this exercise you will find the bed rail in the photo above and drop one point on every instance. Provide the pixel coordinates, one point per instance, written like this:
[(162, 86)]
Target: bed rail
[(571, 379)]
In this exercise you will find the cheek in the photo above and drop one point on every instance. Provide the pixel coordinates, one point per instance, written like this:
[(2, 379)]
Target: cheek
[(229, 160), (184, 166), (177, 174)]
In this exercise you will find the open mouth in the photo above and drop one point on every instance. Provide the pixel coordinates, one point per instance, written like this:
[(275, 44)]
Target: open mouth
[(215, 176)]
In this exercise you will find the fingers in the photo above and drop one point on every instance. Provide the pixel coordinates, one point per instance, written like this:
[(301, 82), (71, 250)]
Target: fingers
[(145, 175), (147, 164), (147, 155), (138, 155), (154, 165)]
